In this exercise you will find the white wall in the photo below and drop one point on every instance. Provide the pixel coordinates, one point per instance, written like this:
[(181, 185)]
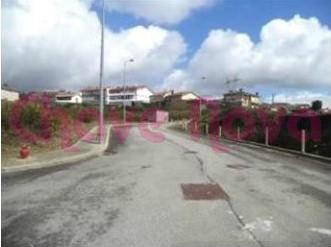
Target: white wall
[(139, 95), (189, 96), (9, 95), (143, 95), (76, 99)]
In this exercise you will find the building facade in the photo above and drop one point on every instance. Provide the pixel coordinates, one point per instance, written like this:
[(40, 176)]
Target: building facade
[(129, 95), (8, 93), (242, 98), (68, 98), (158, 99), (91, 95), (180, 100)]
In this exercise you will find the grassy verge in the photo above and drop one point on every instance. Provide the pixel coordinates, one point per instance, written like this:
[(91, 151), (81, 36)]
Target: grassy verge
[(11, 144)]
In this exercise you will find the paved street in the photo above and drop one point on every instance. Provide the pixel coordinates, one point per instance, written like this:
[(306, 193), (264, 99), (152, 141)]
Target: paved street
[(133, 197)]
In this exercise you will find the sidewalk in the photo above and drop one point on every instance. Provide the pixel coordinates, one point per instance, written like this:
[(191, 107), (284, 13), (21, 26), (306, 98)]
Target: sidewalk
[(84, 149)]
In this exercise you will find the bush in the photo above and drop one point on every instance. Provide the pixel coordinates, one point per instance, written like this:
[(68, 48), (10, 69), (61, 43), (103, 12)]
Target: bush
[(30, 117), (88, 115), (55, 124), (179, 115), (6, 108)]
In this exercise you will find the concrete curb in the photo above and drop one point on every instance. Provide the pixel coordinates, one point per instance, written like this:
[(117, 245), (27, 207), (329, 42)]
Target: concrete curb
[(96, 151)]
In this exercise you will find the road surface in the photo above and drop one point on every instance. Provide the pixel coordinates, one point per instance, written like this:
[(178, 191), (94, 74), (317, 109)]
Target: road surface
[(134, 196)]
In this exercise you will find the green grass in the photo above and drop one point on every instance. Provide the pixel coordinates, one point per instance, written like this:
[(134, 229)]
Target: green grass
[(11, 144)]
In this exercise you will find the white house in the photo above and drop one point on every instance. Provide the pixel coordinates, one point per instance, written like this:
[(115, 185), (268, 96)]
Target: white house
[(186, 96), (68, 98), (130, 95), (178, 98), (8, 93)]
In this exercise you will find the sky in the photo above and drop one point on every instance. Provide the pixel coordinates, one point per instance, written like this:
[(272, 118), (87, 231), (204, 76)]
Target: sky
[(280, 47)]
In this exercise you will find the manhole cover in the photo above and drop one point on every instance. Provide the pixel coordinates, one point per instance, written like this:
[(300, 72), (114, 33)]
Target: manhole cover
[(203, 192), (238, 166)]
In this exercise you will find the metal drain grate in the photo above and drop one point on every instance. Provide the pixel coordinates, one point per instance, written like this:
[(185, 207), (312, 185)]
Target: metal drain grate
[(203, 192), (238, 166)]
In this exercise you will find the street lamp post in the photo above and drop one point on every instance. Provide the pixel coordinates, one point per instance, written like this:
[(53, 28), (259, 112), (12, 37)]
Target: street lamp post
[(124, 83), (101, 110), (203, 78)]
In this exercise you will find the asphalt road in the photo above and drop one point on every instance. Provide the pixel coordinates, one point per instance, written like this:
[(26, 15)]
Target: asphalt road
[(133, 196)]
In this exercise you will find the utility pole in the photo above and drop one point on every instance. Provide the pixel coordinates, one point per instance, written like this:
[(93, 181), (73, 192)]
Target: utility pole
[(101, 110)]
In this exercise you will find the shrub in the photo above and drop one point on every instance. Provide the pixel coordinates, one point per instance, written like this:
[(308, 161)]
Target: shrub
[(30, 116), (6, 108), (179, 115), (88, 115)]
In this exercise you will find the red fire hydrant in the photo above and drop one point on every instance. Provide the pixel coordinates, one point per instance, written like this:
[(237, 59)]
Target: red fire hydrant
[(24, 152)]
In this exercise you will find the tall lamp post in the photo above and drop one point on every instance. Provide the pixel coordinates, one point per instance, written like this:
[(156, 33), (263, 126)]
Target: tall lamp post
[(101, 107), (203, 78), (124, 83)]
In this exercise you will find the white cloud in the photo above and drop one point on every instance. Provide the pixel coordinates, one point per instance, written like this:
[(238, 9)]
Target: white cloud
[(291, 55), (177, 75), (160, 11), (56, 44)]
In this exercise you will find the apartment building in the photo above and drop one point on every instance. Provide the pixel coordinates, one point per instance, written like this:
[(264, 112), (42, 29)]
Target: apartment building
[(129, 95), (68, 98), (242, 98)]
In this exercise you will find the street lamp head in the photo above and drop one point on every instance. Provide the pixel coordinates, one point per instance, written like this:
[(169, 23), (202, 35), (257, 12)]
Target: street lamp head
[(131, 60)]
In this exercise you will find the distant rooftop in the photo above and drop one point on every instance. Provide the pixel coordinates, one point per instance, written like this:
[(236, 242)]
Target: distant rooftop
[(5, 86), (241, 92), (185, 92), (115, 89)]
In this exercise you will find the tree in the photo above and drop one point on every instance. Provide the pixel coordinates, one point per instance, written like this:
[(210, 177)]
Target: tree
[(316, 105)]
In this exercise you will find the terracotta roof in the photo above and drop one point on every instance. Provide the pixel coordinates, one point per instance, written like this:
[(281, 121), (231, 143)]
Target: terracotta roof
[(240, 92)]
